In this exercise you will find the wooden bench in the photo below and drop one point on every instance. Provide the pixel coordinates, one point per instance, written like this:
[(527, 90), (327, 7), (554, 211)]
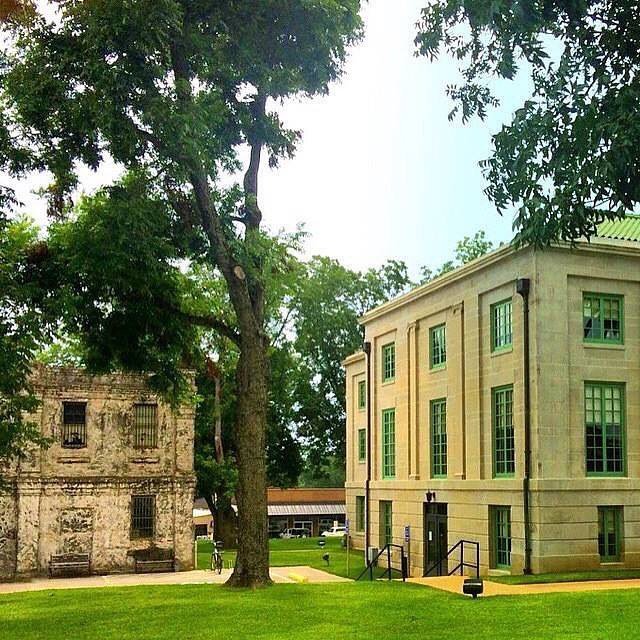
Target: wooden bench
[(154, 566), (154, 560), (69, 564)]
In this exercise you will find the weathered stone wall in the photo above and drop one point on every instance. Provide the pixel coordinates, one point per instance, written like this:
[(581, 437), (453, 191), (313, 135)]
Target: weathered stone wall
[(8, 531), (70, 500)]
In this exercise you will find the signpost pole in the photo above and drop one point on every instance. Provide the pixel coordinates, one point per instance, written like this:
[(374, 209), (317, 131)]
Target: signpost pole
[(346, 531), (407, 539)]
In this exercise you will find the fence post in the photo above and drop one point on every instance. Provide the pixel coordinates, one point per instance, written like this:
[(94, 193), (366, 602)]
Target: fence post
[(462, 558), (477, 559)]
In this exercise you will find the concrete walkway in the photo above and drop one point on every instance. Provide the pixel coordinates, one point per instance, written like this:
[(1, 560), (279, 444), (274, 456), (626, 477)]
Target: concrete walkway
[(454, 585), (291, 575)]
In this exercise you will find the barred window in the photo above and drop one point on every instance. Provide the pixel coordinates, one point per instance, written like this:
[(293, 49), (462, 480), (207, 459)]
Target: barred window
[(143, 516), (145, 426), (362, 395), (74, 425)]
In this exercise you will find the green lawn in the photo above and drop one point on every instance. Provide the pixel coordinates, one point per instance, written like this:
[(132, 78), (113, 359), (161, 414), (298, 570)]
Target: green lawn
[(377, 610), (576, 576), (298, 551)]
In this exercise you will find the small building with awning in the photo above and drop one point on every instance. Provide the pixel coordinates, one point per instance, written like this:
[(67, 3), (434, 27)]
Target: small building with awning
[(314, 509)]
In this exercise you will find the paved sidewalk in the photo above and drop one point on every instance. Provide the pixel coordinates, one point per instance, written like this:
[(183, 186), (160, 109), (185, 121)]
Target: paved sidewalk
[(454, 585), (289, 575)]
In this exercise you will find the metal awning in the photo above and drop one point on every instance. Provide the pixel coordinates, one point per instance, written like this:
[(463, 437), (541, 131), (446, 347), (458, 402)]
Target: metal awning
[(306, 509)]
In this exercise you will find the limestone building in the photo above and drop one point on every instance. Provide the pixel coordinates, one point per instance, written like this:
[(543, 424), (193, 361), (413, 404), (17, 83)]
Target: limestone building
[(116, 483), (500, 404)]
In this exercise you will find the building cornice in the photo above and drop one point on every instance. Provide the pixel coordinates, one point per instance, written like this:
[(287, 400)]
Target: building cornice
[(353, 358), (596, 245)]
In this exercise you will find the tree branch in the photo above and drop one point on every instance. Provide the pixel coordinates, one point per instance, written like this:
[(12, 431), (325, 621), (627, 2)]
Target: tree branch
[(211, 322)]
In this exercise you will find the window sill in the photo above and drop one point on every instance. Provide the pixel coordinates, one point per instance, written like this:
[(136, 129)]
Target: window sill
[(603, 345), (384, 383), (501, 351), (362, 461), (439, 367), (70, 459), (145, 460)]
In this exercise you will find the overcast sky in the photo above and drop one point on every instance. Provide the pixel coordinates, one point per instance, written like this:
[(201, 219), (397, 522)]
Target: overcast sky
[(380, 172)]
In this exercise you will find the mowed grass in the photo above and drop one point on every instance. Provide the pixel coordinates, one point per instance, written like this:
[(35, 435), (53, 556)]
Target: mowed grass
[(574, 576), (296, 552), (346, 610)]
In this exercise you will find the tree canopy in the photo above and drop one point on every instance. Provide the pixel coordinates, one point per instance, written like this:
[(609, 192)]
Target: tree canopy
[(570, 157)]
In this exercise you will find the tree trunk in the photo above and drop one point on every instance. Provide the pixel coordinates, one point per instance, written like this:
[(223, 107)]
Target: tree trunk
[(252, 563)]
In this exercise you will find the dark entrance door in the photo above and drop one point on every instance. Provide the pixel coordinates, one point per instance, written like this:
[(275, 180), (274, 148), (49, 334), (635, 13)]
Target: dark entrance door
[(435, 539)]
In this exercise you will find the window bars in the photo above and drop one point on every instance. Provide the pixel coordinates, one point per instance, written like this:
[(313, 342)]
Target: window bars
[(145, 432), (74, 425), (143, 512)]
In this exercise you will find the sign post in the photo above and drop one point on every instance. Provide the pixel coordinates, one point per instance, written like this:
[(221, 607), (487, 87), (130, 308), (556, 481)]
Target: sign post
[(407, 539), (346, 532)]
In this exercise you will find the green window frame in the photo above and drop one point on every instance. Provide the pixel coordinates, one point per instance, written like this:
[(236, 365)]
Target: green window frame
[(439, 438), (359, 513), (603, 318), (610, 534), (362, 445), (389, 443), (503, 431), (500, 523), (604, 419), (438, 346), (502, 325), (362, 395), (389, 362), (386, 522)]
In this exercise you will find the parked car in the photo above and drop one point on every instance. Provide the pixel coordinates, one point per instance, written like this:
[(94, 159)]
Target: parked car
[(335, 532), (295, 533)]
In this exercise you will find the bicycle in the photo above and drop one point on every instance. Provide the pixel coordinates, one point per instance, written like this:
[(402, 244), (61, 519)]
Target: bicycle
[(216, 556)]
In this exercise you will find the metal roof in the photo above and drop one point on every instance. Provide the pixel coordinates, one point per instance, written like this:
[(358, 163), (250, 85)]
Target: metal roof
[(306, 509), (628, 228)]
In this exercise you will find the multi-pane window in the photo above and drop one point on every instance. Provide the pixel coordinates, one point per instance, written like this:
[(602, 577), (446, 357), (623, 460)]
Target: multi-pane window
[(362, 395), (438, 346), (503, 436), (501, 325), (389, 362), (362, 445), (143, 515), (359, 513), (609, 533), (386, 522), (500, 522), (602, 318), (439, 438), (389, 443), (145, 428), (74, 425), (604, 428)]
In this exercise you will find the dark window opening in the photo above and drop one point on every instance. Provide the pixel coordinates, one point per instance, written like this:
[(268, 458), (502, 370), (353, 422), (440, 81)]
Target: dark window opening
[(143, 513), (74, 425)]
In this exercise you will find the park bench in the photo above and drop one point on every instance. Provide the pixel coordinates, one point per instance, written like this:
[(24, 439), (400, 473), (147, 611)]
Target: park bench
[(69, 564), (154, 561)]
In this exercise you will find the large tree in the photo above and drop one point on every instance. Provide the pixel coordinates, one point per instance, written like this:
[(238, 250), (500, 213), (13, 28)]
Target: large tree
[(570, 157), (181, 88)]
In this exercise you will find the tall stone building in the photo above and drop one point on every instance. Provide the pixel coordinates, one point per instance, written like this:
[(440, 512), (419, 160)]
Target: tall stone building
[(117, 481), (500, 404)]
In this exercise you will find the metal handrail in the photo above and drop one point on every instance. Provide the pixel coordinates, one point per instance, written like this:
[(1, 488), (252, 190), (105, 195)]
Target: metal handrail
[(462, 564), (373, 562)]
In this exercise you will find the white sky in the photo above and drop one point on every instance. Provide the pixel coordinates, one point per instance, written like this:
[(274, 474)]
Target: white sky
[(380, 172)]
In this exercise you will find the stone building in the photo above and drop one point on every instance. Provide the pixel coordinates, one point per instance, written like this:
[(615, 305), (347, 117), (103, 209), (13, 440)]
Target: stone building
[(117, 481), (500, 404)]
